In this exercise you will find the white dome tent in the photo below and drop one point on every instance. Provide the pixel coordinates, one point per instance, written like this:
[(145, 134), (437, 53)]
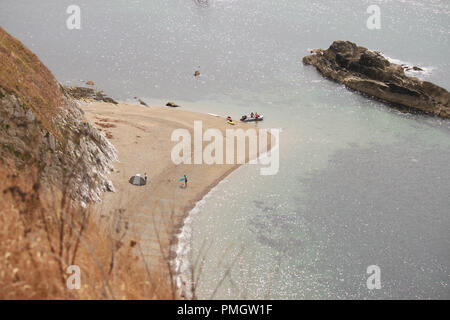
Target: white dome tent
[(137, 180)]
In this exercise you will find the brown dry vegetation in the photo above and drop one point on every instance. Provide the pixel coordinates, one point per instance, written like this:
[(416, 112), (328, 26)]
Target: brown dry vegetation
[(42, 233), (42, 230), (25, 76)]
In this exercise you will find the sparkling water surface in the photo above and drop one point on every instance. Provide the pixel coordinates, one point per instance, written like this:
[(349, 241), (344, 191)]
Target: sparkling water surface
[(359, 184)]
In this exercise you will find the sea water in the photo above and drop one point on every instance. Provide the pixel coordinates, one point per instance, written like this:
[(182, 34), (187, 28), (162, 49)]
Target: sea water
[(359, 184)]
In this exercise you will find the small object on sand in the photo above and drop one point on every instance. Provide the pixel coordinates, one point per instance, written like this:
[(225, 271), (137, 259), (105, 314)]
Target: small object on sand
[(90, 83), (137, 180), (110, 100), (172, 105), (231, 122), (142, 102)]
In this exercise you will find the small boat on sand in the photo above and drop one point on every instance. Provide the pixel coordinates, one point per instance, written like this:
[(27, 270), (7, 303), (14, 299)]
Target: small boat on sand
[(230, 121), (248, 118)]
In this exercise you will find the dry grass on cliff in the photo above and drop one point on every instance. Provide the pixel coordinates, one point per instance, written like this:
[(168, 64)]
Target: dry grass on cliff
[(23, 75), (41, 234)]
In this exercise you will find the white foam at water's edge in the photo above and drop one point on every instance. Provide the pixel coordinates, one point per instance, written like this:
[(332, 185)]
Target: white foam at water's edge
[(182, 263), (426, 71)]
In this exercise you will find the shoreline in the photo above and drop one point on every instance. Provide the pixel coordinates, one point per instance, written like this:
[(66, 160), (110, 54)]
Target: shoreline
[(178, 261), (178, 256), (157, 212)]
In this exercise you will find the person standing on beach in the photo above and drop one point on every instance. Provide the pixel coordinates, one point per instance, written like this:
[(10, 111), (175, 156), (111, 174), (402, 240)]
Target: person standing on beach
[(145, 177), (185, 181)]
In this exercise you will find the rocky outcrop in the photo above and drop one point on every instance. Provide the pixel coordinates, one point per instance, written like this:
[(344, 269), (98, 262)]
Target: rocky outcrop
[(369, 72), (81, 93), (44, 128), (142, 102), (172, 105)]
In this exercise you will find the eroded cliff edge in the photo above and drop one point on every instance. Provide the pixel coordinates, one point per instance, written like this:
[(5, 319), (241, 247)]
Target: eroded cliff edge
[(369, 72), (42, 127)]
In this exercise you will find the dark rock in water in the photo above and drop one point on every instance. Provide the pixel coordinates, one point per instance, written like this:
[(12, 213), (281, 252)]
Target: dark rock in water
[(88, 93), (369, 72), (409, 68), (171, 104)]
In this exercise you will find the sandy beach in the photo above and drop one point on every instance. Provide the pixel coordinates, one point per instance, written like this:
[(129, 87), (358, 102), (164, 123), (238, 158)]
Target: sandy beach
[(142, 136)]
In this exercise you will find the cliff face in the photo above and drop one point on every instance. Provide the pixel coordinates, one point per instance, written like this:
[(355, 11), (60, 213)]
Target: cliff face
[(369, 72), (42, 127)]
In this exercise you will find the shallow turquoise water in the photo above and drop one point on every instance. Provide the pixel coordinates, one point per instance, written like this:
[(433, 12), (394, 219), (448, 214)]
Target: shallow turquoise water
[(359, 183)]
